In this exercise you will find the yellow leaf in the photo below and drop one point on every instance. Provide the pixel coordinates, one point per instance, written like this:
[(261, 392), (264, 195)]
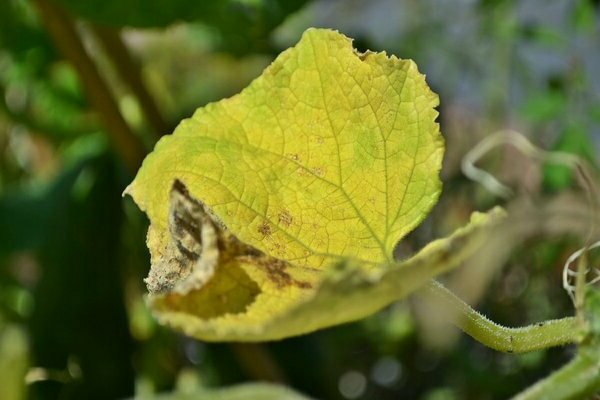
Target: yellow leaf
[(329, 155), (345, 293)]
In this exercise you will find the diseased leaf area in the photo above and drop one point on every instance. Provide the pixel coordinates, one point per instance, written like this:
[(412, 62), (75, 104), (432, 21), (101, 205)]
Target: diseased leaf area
[(345, 293), (329, 155)]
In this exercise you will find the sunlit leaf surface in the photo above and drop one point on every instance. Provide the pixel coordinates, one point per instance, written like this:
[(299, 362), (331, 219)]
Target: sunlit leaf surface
[(327, 159)]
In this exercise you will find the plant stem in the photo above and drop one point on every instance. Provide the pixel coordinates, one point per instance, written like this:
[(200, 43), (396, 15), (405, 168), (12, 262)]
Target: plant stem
[(576, 380), (131, 74), (511, 340), (62, 29)]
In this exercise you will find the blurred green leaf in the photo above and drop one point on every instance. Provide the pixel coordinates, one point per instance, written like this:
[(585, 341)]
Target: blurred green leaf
[(243, 25), (584, 16), (14, 361), (21, 35), (572, 140), (548, 36), (36, 89), (78, 316), (248, 391), (594, 112), (592, 310), (543, 106)]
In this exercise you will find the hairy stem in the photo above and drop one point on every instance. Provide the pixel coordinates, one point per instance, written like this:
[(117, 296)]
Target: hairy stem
[(576, 380), (511, 340)]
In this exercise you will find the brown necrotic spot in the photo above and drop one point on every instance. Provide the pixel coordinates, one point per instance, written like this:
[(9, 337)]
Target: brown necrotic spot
[(185, 215), (264, 229), (184, 248), (284, 218), (275, 271), (302, 284)]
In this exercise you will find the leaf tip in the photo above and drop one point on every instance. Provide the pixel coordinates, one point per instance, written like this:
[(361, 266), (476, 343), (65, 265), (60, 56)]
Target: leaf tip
[(128, 190)]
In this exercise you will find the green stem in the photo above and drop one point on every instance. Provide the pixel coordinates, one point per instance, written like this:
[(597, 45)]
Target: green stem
[(576, 380), (511, 340)]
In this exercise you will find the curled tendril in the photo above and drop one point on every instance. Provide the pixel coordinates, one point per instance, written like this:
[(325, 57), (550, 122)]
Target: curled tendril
[(487, 180), (569, 275), (521, 143)]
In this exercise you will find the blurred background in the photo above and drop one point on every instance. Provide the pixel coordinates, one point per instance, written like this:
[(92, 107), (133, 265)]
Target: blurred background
[(86, 89)]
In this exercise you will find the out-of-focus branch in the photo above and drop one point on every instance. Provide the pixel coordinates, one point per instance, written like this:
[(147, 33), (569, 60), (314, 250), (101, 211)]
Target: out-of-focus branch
[(131, 74), (257, 362), (62, 30), (579, 379)]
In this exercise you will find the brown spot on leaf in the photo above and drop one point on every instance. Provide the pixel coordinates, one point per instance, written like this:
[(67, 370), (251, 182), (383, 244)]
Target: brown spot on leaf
[(317, 172), (264, 229), (284, 218), (302, 284), (276, 272)]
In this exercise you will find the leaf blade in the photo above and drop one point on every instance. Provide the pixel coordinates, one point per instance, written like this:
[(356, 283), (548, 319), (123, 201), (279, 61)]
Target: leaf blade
[(235, 166), (343, 295), (329, 155)]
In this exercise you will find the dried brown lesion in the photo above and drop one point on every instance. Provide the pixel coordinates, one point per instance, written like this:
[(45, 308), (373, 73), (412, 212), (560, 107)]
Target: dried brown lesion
[(184, 249), (185, 216), (198, 243), (275, 271)]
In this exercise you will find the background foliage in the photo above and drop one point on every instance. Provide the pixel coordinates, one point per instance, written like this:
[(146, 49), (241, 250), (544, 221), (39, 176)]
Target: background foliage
[(72, 253)]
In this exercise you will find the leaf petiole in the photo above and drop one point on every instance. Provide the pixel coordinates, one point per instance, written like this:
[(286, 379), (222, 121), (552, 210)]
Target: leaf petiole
[(511, 340)]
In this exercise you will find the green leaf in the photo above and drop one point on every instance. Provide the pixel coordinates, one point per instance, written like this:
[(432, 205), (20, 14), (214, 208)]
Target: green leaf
[(243, 26), (14, 361), (247, 391), (574, 140), (73, 228), (584, 16), (592, 310), (327, 159), (544, 106)]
